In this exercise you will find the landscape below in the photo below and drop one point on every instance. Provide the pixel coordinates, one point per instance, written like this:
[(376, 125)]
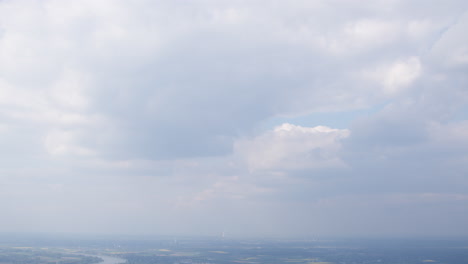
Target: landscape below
[(41, 249)]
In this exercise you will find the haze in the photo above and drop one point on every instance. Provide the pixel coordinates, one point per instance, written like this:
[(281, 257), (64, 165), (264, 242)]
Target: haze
[(253, 118)]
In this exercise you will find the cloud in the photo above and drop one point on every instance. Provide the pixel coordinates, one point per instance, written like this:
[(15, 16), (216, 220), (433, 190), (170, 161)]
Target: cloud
[(449, 50), (146, 72), (160, 106), (396, 76), (293, 147)]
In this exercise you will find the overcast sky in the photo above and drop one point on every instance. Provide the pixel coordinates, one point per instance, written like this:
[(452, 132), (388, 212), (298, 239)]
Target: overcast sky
[(259, 118)]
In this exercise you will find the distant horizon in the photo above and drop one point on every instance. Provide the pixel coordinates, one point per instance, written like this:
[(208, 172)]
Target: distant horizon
[(309, 238)]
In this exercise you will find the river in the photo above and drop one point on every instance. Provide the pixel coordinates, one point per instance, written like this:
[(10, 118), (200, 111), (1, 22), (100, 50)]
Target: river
[(108, 260), (111, 260)]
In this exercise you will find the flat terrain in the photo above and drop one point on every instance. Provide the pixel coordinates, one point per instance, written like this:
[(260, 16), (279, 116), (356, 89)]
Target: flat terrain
[(131, 250), (31, 255)]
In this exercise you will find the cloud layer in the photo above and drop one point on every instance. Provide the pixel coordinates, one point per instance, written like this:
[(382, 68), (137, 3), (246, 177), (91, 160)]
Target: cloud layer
[(159, 117)]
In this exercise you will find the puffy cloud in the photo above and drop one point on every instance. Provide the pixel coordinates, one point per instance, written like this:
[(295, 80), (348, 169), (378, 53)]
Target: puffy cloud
[(293, 147), (397, 76)]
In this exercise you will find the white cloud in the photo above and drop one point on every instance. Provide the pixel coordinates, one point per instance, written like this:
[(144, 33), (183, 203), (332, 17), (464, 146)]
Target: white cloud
[(401, 75), (62, 142), (69, 91), (293, 147), (395, 77)]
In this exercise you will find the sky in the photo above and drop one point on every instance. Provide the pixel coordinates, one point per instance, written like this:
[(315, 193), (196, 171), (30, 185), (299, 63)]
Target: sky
[(296, 118)]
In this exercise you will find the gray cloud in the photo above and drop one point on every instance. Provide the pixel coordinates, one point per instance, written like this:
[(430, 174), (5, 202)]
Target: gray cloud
[(154, 113)]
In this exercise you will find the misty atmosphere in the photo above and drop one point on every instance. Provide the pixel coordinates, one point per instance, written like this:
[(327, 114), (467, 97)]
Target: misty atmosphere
[(240, 131)]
